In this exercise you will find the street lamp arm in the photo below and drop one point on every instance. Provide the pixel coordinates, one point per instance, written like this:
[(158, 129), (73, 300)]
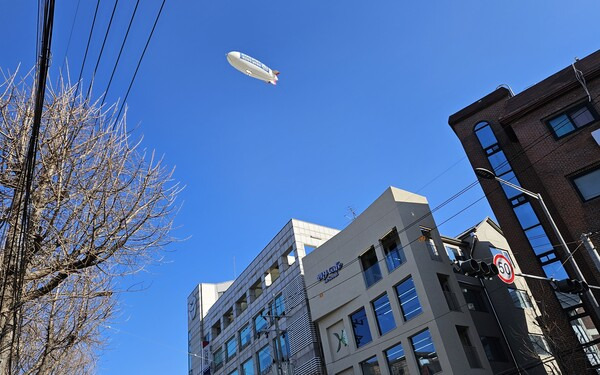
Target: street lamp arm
[(517, 187)]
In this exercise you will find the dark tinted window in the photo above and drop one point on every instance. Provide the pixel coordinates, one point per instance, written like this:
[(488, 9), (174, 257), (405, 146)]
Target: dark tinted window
[(588, 185), (360, 326)]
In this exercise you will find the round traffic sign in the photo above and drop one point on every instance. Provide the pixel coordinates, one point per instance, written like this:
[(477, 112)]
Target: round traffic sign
[(506, 272)]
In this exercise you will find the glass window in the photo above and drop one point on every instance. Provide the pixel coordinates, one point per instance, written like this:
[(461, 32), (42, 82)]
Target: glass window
[(245, 336), (571, 120), (370, 267), (231, 346), (278, 306), (539, 344), (474, 298), (264, 359), (485, 134), (409, 301), (454, 253), (448, 294), (493, 349), (234, 372), (360, 326), (394, 257), (509, 191), (394, 254), (384, 315), (370, 366), (425, 353), (426, 236), (555, 270), (526, 215), (396, 360), (499, 163), (538, 239), (520, 298), (470, 351), (260, 322), (561, 125), (218, 358), (248, 367), (588, 185), (285, 347)]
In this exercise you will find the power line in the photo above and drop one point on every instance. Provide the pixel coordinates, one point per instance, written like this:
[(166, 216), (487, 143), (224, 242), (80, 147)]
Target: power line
[(140, 61), (120, 52), (87, 47), (102, 48), (71, 32)]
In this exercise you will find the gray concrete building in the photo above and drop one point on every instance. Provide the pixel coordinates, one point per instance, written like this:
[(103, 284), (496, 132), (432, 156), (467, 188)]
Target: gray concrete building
[(385, 299), (261, 319)]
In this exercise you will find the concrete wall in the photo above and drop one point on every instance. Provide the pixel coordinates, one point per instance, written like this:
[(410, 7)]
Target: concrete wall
[(333, 302)]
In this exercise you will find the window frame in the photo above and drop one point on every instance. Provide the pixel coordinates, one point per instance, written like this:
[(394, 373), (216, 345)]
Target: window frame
[(391, 311), (378, 276), (586, 171), (567, 112), (368, 327), (241, 344), (233, 340), (404, 317)]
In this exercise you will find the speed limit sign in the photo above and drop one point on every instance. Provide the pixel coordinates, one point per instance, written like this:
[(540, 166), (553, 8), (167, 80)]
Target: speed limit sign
[(506, 272)]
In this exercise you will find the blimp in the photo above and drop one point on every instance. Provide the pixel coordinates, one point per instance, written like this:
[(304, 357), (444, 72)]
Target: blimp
[(252, 67)]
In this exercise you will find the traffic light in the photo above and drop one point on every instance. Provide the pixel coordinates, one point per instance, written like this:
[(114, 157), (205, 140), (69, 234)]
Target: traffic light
[(474, 268), (469, 267), (569, 286)]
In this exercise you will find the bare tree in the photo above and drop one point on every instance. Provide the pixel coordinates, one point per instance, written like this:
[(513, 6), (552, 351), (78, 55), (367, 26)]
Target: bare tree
[(100, 208)]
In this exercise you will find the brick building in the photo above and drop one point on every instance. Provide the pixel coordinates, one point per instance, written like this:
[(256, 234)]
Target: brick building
[(547, 139)]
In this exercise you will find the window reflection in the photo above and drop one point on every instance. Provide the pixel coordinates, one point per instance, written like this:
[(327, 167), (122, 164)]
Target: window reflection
[(425, 353), (360, 326), (384, 315)]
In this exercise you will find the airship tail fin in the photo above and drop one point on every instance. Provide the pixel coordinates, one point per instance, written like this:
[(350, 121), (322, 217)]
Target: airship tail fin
[(276, 72)]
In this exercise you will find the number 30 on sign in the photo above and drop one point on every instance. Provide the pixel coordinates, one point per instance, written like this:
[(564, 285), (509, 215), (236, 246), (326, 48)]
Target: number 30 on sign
[(506, 272)]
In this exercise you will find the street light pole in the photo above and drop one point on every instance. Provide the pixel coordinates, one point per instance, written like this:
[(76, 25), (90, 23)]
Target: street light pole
[(487, 174)]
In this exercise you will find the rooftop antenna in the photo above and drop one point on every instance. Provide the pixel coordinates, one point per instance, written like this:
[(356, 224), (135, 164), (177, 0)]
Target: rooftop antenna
[(352, 212)]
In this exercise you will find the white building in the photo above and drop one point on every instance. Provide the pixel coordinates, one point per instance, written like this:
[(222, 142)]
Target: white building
[(261, 319)]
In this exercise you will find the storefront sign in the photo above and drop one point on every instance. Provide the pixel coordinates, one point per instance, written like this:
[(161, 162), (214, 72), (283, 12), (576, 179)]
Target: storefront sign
[(330, 273)]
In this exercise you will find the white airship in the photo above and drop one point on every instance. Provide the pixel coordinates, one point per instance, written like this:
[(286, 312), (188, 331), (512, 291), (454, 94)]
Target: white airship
[(252, 67)]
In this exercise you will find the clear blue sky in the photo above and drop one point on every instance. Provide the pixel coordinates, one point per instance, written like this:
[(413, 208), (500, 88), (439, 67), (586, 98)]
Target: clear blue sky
[(362, 103)]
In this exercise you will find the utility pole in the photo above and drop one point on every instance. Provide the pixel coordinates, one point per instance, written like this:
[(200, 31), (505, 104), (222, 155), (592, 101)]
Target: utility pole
[(277, 347), (589, 246)]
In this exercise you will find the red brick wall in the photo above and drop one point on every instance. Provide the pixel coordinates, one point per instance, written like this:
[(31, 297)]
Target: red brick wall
[(558, 324)]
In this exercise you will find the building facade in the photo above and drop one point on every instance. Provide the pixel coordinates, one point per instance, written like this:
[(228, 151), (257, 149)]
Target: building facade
[(546, 139), (505, 317), (259, 323), (386, 299)]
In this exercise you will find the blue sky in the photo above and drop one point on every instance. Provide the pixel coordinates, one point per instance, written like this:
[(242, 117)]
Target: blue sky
[(362, 103)]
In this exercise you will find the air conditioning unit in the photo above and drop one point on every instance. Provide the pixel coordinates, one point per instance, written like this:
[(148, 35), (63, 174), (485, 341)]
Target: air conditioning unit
[(471, 306)]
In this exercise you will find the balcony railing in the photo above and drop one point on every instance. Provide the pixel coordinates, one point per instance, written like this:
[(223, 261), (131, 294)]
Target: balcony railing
[(372, 274)]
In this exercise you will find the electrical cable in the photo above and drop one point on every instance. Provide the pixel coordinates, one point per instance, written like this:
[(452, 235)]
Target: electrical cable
[(120, 52), (71, 32), (139, 62), (112, 15), (87, 49)]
